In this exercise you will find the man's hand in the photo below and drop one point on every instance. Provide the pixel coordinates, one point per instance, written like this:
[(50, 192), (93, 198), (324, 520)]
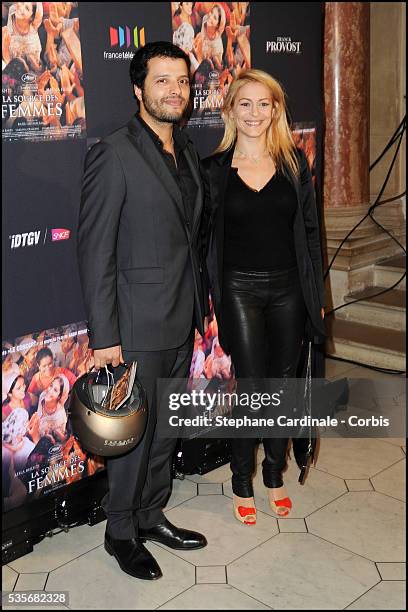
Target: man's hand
[(112, 355)]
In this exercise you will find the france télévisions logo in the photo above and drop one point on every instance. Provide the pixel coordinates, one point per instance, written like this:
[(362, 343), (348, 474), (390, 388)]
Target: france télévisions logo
[(124, 37), (30, 239), (283, 44)]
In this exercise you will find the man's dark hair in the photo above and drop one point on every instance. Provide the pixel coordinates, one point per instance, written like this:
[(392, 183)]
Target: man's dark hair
[(162, 48)]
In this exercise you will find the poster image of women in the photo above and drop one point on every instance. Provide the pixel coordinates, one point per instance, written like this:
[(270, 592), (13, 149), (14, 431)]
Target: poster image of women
[(42, 79), (215, 36), (39, 452)]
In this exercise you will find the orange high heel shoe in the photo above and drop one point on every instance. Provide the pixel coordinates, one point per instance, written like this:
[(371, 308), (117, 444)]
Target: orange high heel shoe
[(243, 514), (281, 507)]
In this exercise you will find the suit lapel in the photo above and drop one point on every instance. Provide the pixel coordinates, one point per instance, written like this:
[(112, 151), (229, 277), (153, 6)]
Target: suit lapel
[(219, 182), (296, 187), (193, 164), (219, 174), (147, 149)]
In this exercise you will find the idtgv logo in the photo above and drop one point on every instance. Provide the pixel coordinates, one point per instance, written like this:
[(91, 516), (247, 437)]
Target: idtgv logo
[(26, 239), (33, 238)]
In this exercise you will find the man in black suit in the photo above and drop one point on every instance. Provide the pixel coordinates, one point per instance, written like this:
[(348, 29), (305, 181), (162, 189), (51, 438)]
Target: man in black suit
[(140, 263)]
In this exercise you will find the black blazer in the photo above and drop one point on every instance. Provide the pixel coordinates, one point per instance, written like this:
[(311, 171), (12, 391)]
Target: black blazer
[(215, 172), (140, 261)]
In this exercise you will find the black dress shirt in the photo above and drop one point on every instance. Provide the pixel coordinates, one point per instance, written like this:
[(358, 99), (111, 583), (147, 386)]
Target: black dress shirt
[(179, 169)]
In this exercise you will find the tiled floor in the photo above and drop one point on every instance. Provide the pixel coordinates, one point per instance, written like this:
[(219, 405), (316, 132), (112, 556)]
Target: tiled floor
[(342, 547)]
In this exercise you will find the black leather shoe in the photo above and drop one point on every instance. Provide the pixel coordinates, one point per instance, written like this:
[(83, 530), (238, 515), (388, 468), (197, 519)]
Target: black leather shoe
[(173, 537), (133, 558)]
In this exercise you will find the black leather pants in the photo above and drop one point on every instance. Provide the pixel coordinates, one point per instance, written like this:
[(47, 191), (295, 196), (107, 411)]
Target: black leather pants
[(263, 316)]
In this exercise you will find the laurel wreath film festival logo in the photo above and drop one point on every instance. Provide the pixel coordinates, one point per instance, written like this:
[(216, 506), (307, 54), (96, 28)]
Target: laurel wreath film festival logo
[(124, 37)]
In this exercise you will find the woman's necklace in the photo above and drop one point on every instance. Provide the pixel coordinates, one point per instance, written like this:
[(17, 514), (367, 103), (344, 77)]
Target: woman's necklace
[(47, 409), (22, 29), (254, 158)]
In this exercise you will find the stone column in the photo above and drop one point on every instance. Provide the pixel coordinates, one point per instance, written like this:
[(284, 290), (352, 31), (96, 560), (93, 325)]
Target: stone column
[(347, 104), (346, 183)]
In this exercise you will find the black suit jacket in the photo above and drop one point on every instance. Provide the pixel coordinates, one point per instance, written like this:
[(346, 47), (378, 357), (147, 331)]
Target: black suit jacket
[(215, 172), (140, 260)]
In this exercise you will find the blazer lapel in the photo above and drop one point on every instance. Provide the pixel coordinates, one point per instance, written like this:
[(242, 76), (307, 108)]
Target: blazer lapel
[(219, 174), (147, 149), (219, 181), (296, 187), (192, 161)]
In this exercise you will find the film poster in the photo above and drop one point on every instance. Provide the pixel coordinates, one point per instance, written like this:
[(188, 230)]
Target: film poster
[(216, 37), (39, 452), (42, 79)]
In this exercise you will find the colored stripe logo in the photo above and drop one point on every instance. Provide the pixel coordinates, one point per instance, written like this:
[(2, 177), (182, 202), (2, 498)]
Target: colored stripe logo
[(122, 36)]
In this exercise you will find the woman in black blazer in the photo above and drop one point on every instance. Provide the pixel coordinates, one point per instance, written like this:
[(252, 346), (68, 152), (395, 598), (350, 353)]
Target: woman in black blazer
[(263, 259)]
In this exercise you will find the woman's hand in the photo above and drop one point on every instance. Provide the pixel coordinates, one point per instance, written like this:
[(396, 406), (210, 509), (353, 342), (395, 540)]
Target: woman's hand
[(322, 313), (14, 447), (33, 428), (49, 437)]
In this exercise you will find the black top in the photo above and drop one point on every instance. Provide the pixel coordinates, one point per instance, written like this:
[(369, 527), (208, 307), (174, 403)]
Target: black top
[(181, 171), (259, 224)]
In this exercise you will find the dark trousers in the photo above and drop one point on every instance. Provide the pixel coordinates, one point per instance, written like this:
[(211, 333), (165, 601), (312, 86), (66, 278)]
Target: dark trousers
[(263, 314), (140, 481)]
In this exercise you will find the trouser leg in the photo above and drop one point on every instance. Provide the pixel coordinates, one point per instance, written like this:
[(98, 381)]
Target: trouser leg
[(243, 300), (130, 476), (285, 315), (157, 485)]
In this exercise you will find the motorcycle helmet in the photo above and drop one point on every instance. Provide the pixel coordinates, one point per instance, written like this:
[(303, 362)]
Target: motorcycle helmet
[(98, 428)]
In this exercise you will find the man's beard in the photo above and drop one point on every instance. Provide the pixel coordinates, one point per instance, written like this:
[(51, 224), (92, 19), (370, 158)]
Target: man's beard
[(159, 113)]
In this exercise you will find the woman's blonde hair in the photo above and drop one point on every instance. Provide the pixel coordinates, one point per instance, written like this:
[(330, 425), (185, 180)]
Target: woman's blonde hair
[(279, 140)]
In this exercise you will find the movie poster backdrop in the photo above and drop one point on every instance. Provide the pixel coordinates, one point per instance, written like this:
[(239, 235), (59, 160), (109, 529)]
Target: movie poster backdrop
[(43, 169), (215, 36), (39, 452), (42, 76)]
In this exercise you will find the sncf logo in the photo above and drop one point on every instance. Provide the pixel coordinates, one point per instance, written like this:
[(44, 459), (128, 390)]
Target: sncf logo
[(60, 234), (126, 36)]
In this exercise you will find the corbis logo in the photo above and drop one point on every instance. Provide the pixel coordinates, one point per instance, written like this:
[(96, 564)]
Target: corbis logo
[(283, 44), (125, 36), (31, 239)]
